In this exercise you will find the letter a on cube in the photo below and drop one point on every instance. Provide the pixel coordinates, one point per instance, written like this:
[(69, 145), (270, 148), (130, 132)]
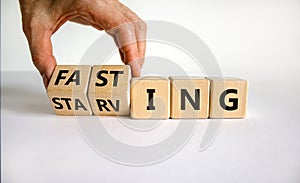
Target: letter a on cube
[(228, 97), (150, 98), (67, 90)]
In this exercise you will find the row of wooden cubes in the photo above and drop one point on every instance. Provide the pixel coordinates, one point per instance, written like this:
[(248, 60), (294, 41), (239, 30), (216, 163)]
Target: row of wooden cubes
[(110, 90)]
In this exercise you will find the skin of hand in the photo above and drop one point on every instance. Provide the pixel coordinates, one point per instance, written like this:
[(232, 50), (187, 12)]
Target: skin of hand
[(42, 18)]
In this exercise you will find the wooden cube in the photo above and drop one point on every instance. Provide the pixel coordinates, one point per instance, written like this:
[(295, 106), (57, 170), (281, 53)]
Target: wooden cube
[(67, 90), (150, 97), (228, 97), (189, 97), (109, 90)]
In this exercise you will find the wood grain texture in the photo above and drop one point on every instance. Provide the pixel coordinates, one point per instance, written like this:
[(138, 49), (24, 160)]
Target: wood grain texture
[(184, 89), (142, 107), (228, 98), (67, 90), (109, 89)]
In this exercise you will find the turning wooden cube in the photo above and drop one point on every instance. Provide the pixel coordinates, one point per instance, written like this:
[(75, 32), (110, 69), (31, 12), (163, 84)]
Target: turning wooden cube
[(67, 90), (189, 97), (109, 90), (150, 97), (228, 98)]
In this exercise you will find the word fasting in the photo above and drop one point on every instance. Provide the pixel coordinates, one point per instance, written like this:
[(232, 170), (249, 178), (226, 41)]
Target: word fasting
[(109, 90)]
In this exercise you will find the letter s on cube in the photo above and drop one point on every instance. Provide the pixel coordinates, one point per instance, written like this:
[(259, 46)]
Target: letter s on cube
[(67, 90), (109, 90)]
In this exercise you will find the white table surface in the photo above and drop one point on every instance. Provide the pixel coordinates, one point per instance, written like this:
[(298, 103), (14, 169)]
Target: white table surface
[(38, 146)]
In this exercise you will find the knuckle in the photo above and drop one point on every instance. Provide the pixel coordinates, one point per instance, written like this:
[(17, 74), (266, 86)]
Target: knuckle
[(25, 29), (143, 25), (36, 59), (32, 26), (26, 25), (131, 54)]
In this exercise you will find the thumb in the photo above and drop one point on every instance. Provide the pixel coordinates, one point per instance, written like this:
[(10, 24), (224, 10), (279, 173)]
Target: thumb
[(42, 56)]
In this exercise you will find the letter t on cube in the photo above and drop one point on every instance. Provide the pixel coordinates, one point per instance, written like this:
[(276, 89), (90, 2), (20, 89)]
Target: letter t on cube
[(109, 90)]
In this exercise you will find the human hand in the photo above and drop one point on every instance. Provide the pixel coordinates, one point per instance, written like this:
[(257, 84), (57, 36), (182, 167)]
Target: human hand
[(42, 18)]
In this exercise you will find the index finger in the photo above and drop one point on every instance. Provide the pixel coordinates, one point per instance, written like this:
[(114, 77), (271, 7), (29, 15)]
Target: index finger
[(126, 39)]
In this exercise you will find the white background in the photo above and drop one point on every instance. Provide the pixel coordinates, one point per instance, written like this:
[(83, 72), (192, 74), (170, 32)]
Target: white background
[(245, 36), (255, 40)]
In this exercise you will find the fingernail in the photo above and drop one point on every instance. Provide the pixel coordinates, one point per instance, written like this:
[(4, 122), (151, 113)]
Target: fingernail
[(135, 68)]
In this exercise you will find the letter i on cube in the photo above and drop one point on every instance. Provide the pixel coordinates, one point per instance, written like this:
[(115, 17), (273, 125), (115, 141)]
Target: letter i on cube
[(150, 98)]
